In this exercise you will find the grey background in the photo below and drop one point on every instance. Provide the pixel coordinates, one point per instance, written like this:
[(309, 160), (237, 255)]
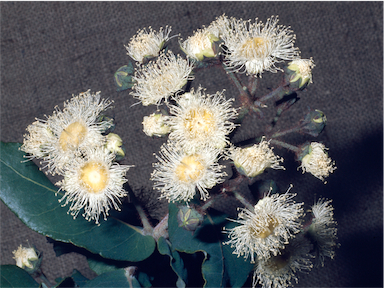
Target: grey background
[(50, 51)]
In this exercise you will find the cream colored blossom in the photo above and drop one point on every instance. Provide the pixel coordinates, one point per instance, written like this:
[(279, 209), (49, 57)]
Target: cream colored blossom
[(200, 120), (94, 183), (267, 229), (155, 125), (24, 256), (281, 270), (317, 162), (178, 174), (147, 44), (160, 79), (199, 45), (253, 160), (303, 71), (256, 47), (323, 230), (64, 134)]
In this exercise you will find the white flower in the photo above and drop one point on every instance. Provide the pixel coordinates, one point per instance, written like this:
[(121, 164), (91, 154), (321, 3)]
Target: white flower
[(323, 230), (317, 162), (252, 161), (94, 183), (257, 47), (199, 45), (279, 270), (64, 134), (178, 174), (147, 44), (268, 228), (302, 70), (201, 120), (24, 256), (161, 79), (155, 125)]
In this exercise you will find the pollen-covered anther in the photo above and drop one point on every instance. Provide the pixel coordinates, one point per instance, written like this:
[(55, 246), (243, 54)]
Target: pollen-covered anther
[(72, 136), (189, 169), (95, 176)]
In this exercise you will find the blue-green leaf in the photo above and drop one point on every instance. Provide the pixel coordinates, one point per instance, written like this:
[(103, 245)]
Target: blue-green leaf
[(13, 276), (118, 278), (31, 196), (177, 264), (220, 267)]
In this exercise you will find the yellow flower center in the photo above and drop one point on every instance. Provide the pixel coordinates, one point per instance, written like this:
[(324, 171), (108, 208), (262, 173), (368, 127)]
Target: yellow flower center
[(264, 231), (190, 169), (94, 176), (72, 136), (256, 47), (199, 122)]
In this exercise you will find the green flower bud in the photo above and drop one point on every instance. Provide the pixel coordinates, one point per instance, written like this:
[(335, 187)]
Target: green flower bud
[(299, 73), (123, 77), (28, 259), (313, 123), (189, 218), (114, 144)]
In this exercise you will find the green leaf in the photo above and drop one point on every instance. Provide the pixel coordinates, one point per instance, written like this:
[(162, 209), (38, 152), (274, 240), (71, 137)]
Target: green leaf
[(117, 278), (13, 276), (220, 267), (79, 279), (100, 266), (237, 269), (31, 196), (177, 264), (206, 239)]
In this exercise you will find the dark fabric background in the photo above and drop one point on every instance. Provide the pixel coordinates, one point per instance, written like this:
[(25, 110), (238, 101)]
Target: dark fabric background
[(50, 51)]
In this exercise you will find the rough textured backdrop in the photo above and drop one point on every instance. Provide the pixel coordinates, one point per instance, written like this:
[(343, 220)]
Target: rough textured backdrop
[(50, 51)]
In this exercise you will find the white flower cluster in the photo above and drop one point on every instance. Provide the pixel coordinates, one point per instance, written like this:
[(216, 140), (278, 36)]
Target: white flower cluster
[(71, 143)]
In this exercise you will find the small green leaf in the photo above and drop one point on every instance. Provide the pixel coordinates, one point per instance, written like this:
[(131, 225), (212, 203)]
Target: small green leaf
[(177, 264), (31, 196), (13, 276)]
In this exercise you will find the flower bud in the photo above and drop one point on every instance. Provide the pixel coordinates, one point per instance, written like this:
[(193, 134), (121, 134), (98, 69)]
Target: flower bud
[(189, 218), (154, 125), (201, 45), (107, 124), (313, 123), (114, 144), (299, 73), (123, 77), (252, 161), (28, 259)]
